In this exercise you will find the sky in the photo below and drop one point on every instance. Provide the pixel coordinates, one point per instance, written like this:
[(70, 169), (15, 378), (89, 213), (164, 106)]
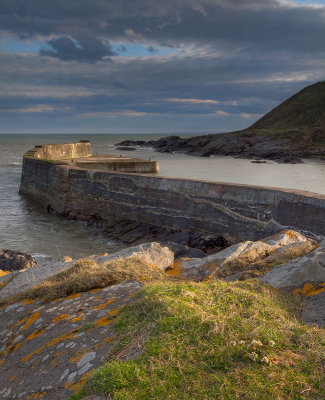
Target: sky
[(152, 66)]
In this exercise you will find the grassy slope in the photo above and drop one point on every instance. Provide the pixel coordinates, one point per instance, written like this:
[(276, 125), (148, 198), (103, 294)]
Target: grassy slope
[(306, 109), (200, 346)]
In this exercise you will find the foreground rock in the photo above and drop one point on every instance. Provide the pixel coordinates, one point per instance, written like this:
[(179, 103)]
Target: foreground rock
[(11, 260), (154, 253), (311, 268), (47, 351), (244, 257)]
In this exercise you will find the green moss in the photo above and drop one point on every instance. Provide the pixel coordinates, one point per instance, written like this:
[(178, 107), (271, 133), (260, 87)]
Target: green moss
[(202, 346)]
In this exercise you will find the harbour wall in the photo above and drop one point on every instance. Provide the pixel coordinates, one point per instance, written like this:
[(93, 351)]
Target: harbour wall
[(237, 212)]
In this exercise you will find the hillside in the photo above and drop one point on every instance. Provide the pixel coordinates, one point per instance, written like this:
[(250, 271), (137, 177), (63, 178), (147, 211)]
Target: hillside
[(293, 130), (304, 110)]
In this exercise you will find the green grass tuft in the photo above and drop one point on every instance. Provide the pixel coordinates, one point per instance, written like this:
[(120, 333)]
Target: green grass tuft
[(220, 340)]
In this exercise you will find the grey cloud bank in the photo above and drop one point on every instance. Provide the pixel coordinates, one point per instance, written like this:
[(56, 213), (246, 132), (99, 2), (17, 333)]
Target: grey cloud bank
[(236, 58)]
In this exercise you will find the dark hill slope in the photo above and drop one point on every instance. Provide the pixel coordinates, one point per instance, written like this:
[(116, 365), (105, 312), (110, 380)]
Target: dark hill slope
[(293, 130), (304, 110)]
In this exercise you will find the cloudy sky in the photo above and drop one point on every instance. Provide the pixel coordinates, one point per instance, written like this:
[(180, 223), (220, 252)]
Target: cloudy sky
[(147, 66)]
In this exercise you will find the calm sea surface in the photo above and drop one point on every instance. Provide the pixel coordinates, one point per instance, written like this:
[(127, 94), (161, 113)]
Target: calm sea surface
[(27, 227)]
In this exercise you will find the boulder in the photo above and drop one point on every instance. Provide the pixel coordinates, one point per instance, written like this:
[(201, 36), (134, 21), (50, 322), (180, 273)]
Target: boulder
[(52, 348), (125, 148), (153, 253), (11, 260), (309, 268), (243, 256)]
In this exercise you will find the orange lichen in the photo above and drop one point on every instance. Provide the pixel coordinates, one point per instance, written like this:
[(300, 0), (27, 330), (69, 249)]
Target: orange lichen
[(54, 341), (78, 356), (35, 334), (27, 301), (95, 290), (3, 273), (80, 317), (76, 387), (101, 306), (36, 396), (175, 270), (34, 317), (72, 296), (61, 317), (12, 378), (108, 339), (54, 301), (291, 234), (310, 290), (107, 319), (67, 259)]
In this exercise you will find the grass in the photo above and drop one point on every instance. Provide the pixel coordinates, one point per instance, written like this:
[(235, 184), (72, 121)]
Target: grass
[(214, 340), (86, 275), (251, 264)]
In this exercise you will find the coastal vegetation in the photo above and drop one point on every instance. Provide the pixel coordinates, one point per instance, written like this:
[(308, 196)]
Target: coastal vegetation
[(217, 340), (86, 275)]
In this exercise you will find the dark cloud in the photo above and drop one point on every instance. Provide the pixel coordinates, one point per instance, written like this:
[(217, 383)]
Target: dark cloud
[(152, 49), (245, 55), (88, 49)]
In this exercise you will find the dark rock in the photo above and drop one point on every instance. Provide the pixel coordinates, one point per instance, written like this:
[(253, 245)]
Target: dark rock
[(258, 162), (131, 143), (11, 260), (183, 251), (125, 148)]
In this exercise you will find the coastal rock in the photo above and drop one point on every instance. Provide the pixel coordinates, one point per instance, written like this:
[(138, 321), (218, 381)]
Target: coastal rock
[(295, 273), (153, 253), (47, 351), (131, 143), (11, 260), (125, 148), (242, 256)]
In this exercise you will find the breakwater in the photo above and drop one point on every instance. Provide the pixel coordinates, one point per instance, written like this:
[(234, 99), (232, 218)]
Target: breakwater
[(237, 212)]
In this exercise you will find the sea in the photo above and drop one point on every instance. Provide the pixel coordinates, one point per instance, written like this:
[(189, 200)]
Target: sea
[(26, 226)]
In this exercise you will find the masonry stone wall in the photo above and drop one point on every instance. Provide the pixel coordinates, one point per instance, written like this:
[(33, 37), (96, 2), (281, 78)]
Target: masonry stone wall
[(238, 212)]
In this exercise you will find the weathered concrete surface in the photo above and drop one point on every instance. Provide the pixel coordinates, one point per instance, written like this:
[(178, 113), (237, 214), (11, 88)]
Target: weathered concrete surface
[(80, 155), (244, 254), (61, 151), (152, 253), (47, 351), (113, 163), (236, 212), (294, 273)]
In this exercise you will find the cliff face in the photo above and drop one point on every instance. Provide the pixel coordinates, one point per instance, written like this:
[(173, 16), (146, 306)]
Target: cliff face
[(237, 212)]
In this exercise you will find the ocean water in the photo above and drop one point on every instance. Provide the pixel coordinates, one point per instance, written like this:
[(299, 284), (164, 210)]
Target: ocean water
[(26, 226)]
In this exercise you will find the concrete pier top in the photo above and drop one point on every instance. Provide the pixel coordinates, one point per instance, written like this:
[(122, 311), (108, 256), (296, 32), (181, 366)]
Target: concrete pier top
[(80, 155)]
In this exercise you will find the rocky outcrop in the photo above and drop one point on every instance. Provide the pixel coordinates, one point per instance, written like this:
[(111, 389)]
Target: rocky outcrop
[(154, 253), (245, 257), (47, 351), (295, 273), (11, 260), (245, 144)]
